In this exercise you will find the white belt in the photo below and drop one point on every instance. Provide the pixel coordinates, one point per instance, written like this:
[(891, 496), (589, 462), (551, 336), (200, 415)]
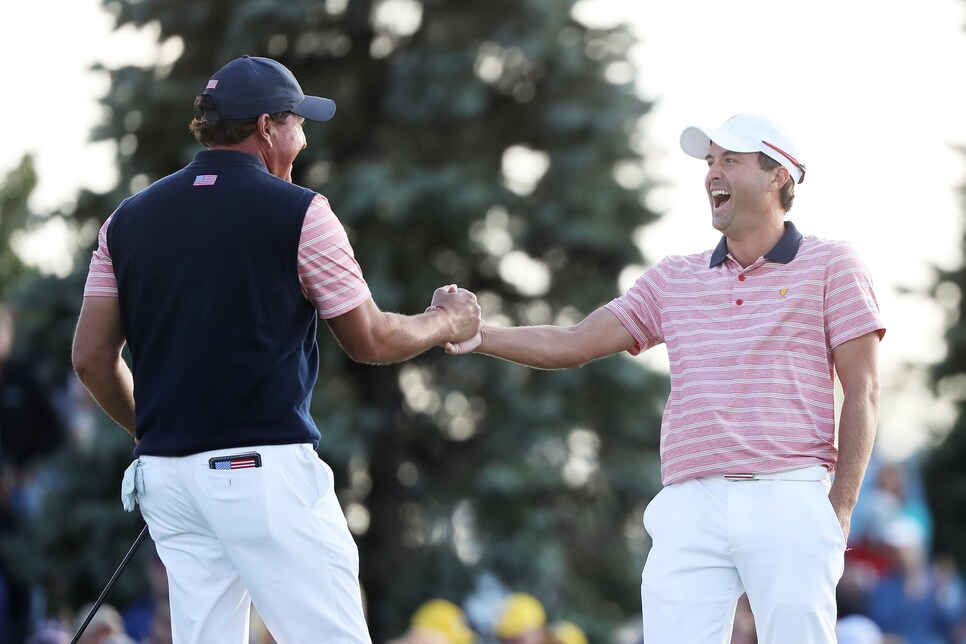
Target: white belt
[(811, 473)]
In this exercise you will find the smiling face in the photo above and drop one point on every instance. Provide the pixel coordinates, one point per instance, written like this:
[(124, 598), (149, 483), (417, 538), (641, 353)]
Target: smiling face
[(740, 192)]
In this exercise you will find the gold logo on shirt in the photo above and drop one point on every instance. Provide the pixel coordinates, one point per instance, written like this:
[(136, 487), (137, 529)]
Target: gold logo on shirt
[(782, 292)]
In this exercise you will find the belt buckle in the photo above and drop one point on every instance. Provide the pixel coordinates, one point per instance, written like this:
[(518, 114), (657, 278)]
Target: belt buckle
[(739, 477)]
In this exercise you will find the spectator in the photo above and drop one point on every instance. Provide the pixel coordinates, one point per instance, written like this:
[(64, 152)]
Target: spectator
[(523, 620), (106, 627), (437, 621), (852, 593), (49, 632), (149, 621), (951, 593), (563, 632), (900, 483), (892, 490), (29, 424), (906, 602), (858, 629)]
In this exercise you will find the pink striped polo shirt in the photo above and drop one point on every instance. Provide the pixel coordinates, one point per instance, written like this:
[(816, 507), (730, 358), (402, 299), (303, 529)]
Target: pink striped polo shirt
[(750, 350), (331, 278)]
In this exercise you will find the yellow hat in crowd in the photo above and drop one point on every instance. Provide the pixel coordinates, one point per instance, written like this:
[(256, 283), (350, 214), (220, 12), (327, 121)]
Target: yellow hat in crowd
[(568, 633), (522, 613), (444, 617)]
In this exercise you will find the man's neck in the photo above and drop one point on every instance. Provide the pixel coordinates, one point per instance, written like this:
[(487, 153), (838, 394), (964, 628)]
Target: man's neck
[(748, 247)]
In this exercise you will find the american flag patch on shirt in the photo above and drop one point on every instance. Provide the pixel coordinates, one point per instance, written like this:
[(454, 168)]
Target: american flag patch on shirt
[(236, 461), (205, 180)]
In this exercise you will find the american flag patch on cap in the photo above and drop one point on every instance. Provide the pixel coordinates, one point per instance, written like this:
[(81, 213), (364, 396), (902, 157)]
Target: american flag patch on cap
[(212, 84), (235, 461), (205, 180)]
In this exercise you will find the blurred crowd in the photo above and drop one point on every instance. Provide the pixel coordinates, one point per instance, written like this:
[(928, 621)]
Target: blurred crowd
[(31, 427), (895, 589), (520, 619)]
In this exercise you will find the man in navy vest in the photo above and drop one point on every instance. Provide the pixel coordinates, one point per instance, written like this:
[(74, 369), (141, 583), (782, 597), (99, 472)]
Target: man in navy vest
[(214, 277)]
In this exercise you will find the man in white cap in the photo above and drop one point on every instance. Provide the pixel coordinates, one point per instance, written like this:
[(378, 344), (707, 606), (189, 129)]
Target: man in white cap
[(756, 330)]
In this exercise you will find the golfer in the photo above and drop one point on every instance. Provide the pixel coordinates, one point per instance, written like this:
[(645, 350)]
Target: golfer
[(214, 277), (756, 330)]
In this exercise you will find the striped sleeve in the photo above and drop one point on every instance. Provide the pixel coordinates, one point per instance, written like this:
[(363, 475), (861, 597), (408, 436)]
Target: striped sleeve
[(330, 275), (851, 309), (100, 276), (639, 310)]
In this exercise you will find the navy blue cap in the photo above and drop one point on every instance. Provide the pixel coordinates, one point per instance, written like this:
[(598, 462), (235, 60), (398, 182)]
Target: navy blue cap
[(250, 86)]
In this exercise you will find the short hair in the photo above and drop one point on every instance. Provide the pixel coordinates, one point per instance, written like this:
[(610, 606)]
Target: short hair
[(788, 190), (223, 132)]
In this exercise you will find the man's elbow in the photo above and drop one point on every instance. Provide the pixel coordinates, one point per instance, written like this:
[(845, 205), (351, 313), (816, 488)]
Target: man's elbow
[(865, 392), (573, 354), (86, 363), (364, 356), (82, 367), (874, 390), (572, 362), (367, 352)]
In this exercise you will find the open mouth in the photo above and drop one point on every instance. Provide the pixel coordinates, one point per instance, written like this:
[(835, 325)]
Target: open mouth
[(720, 197)]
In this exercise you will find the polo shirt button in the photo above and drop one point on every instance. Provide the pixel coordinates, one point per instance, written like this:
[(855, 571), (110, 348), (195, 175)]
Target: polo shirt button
[(739, 302), (741, 278)]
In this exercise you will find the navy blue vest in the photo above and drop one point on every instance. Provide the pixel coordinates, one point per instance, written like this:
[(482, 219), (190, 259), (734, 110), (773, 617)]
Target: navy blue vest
[(222, 339)]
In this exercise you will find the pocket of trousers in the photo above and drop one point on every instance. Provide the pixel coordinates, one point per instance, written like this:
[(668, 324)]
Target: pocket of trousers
[(311, 478), (829, 512), (239, 505), (650, 510)]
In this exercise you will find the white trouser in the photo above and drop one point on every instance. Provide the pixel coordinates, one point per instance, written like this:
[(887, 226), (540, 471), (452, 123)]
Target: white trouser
[(274, 535), (713, 539)]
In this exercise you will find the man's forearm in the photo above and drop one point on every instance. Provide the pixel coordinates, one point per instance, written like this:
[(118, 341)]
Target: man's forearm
[(372, 336), (542, 347), (113, 388), (598, 335), (405, 336), (857, 429)]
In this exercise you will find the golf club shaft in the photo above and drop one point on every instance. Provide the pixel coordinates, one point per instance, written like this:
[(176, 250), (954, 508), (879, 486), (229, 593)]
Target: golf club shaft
[(110, 584)]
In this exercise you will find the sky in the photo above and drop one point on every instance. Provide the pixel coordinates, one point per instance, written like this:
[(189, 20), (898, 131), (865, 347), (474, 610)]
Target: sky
[(873, 91)]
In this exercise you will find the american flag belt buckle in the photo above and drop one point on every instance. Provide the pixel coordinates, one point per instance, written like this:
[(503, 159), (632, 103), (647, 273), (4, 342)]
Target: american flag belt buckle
[(244, 461)]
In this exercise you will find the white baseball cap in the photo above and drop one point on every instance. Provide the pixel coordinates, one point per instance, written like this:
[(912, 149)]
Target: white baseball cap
[(903, 532), (858, 629), (746, 132)]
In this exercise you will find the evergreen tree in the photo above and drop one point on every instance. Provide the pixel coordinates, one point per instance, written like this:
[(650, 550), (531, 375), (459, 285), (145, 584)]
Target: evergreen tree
[(485, 143), (14, 215), (943, 473)]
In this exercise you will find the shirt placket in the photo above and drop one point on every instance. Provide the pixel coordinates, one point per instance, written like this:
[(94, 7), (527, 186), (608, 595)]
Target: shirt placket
[(741, 289)]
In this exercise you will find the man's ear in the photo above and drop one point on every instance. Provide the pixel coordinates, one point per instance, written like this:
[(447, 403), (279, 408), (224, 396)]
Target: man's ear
[(263, 125), (781, 176)]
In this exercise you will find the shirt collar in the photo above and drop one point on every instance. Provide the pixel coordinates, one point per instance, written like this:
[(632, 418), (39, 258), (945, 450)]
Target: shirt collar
[(783, 252)]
